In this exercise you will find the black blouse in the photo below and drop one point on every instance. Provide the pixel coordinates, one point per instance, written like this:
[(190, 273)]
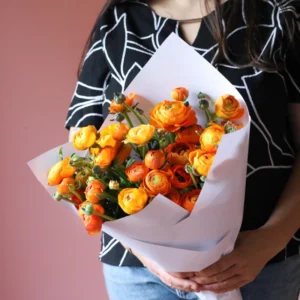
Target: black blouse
[(126, 38)]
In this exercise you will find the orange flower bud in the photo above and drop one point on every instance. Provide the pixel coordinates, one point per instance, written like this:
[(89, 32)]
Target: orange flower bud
[(120, 132), (92, 223), (180, 179), (132, 200), (174, 196), (189, 134), (155, 159), (211, 137), (82, 176), (93, 190), (228, 108), (85, 137), (117, 108), (63, 187), (137, 172), (178, 153), (140, 135), (59, 171), (172, 115), (123, 154), (189, 200), (105, 157), (180, 94), (202, 161), (158, 182)]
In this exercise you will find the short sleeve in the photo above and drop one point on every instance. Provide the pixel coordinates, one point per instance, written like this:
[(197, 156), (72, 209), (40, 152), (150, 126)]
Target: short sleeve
[(293, 59), (86, 105)]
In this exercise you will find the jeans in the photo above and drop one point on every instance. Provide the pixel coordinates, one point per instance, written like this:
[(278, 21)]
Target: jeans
[(279, 281)]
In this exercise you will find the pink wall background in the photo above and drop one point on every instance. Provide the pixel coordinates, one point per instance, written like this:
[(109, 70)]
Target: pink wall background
[(45, 252)]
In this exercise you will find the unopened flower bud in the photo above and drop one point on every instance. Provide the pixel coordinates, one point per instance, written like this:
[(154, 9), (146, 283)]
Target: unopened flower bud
[(88, 209), (119, 98), (114, 185), (203, 178), (186, 104), (187, 168), (229, 127), (140, 111), (90, 179), (119, 117), (163, 142), (203, 104), (57, 196), (96, 171)]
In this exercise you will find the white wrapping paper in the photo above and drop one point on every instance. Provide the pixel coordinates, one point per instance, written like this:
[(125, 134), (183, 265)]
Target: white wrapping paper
[(164, 232)]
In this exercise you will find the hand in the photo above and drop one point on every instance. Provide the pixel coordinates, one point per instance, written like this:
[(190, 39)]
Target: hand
[(178, 281), (252, 252)]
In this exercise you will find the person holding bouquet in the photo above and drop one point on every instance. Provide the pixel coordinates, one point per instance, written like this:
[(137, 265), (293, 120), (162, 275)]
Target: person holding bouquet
[(255, 44)]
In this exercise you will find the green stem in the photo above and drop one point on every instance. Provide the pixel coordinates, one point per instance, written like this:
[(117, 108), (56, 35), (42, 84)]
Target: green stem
[(81, 164), (147, 120), (60, 152), (193, 179), (103, 216), (70, 201), (74, 192), (128, 120), (107, 196), (208, 115), (137, 115), (143, 151), (172, 137)]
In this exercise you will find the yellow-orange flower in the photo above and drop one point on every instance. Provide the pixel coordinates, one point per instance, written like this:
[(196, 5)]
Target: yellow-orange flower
[(132, 200), (172, 115), (106, 137), (105, 157), (178, 153), (117, 108), (174, 196), (140, 135), (228, 108), (189, 134), (85, 137), (189, 200), (123, 153), (63, 187), (158, 182), (59, 171), (202, 161), (93, 190), (137, 172), (92, 223), (180, 94), (120, 132), (155, 159), (211, 137)]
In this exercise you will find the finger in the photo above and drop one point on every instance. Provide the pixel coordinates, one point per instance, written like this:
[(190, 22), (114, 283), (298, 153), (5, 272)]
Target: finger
[(232, 271), (223, 264), (182, 275), (224, 285), (180, 284), (233, 287)]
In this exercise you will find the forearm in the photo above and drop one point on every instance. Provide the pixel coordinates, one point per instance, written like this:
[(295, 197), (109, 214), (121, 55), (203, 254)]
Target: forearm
[(285, 220)]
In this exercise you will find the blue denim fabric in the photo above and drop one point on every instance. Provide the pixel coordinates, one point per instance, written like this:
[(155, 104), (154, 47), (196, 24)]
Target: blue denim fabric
[(280, 281)]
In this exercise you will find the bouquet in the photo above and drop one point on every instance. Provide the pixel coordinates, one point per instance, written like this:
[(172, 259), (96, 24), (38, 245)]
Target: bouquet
[(165, 177)]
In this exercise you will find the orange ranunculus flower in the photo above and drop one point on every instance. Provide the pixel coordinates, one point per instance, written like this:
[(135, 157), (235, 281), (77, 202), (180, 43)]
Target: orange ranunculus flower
[(106, 137), (158, 182), (228, 108), (120, 132), (181, 179), (132, 200), (155, 159), (140, 135), (117, 108), (180, 94), (137, 172), (211, 137), (105, 157), (85, 138), (202, 161), (174, 196), (59, 171), (178, 153), (189, 200), (63, 187), (93, 190), (92, 223), (123, 153), (172, 115), (189, 134)]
